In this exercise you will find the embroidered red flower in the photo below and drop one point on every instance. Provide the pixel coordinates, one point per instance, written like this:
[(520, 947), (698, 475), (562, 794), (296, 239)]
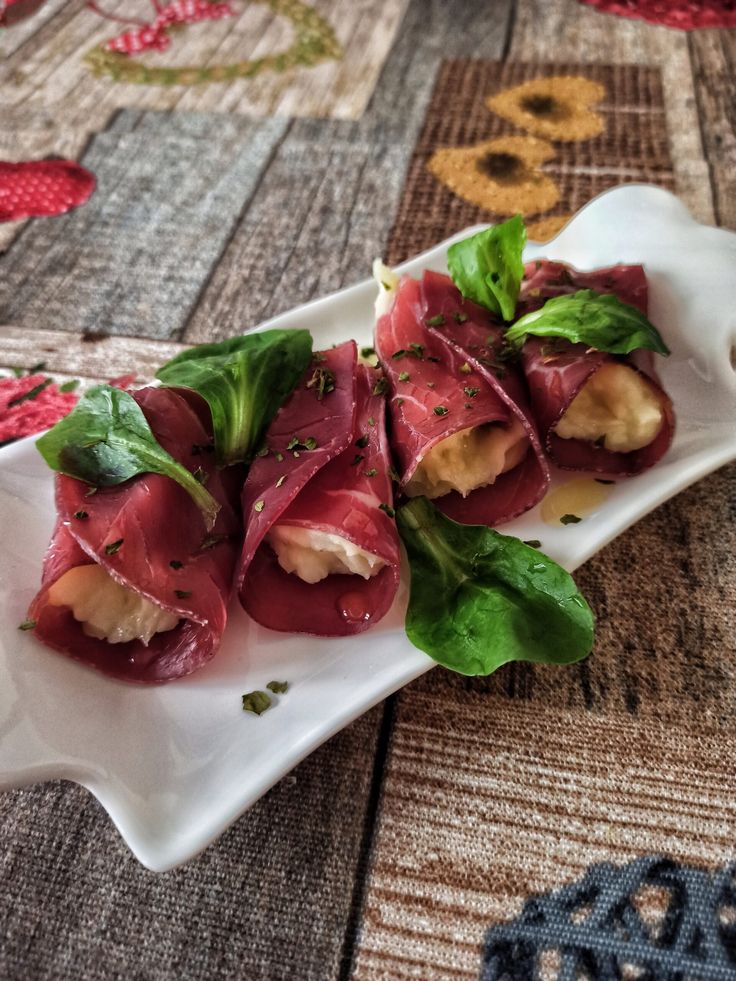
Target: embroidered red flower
[(683, 14), (30, 404), (39, 188), (153, 35)]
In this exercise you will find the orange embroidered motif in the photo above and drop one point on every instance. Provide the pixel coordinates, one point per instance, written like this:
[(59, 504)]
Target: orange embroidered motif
[(546, 228), (558, 108), (500, 175)]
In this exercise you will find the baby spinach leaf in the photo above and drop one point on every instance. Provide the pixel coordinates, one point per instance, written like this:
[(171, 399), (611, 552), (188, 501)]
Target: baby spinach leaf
[(105, 440), (244, 380), (599, 320), (487, 267), (479, 599)]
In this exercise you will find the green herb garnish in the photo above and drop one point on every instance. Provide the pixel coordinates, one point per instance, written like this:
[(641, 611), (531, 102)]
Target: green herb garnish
[(370, 473), (465, 368), (459, 317), (69, 386), (114, 547), (81, 515), (362, 442), (488, 268), (356, 459), (256, 702), (533, 543), (599, 320), (278, 687), (381, 387), (404, 376), (176, 564), (105, 440), (322, 381), (182, 593), (244, 380), (27, 625), (440, 410), (258, 506), (436, 321), (480, 599), (471, 392), (570, 519), (388, 509)]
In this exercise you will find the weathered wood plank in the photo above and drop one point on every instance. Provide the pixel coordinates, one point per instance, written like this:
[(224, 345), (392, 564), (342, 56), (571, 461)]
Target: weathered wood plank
[(559, 30), (713, 55), (46, 63), (91, 356), (269, 902), (134, 259), (327, 202)]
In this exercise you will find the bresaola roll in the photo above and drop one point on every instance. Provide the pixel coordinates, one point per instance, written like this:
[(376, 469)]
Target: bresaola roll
[(321, 552), (133, 583), (597, 412), (461, 427)]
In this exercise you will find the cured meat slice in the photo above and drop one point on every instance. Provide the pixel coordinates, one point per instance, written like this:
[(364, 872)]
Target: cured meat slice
[(148, 537), (319, 498), (576, 392), (457, 408)]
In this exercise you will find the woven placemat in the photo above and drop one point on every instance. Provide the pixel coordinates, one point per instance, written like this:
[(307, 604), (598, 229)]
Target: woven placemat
[(631, 146)]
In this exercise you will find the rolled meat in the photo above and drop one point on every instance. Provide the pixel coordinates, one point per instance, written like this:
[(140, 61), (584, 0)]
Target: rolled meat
[(597, 412), (461, 427), (321, 552), (133, 583)]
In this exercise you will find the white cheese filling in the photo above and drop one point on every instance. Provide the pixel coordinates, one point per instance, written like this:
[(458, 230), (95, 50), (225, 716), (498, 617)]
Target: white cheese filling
[(108, 610), (469, 459), (388, 285), (618, 406), (313, 555)]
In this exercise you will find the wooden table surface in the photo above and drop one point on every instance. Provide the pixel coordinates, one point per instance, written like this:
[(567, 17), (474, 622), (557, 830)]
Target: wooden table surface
[(392, 849)]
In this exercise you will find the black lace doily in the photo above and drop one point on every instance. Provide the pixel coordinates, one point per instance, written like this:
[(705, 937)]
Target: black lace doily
[(600, 928)]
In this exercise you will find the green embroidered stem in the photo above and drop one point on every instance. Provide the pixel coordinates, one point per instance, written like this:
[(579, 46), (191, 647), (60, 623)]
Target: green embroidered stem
[(315, 42)]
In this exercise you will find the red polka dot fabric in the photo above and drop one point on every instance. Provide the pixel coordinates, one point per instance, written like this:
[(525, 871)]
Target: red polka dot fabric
[(683, 14), (40, 188)]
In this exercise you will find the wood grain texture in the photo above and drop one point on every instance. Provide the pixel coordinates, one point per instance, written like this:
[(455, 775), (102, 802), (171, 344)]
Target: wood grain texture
[(92, 356), (269, 902), (327, 202), (486, 802), (559, 30), (44, 62), (713, 56), (134, 259)]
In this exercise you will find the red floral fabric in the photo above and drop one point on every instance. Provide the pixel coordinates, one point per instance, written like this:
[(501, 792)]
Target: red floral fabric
[(683, 14), (31, 404)]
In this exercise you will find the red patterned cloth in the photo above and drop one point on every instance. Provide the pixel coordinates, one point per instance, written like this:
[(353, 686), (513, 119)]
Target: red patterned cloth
[(39, 188), (683, 14), (154, 36), (12, 11), (31, 404)]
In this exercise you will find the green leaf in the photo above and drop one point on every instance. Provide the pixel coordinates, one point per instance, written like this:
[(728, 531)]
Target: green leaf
[(479, 599), (256, 701), (487, 267), (244, 380), (105, 440), (278, 687), (599, 320)]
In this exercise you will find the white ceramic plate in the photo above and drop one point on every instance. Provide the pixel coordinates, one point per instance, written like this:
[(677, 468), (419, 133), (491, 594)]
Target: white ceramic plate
[(175, 765)]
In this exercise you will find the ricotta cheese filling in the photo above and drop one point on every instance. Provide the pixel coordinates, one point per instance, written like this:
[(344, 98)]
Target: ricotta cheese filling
[(108, 610), (618, 406), (313, 555), (469, 459), (388, 285)]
